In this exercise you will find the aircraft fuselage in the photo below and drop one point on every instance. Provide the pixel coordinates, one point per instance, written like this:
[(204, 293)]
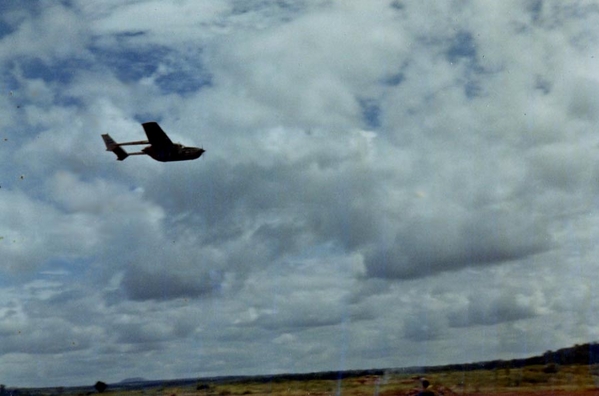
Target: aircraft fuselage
[(177, 152)]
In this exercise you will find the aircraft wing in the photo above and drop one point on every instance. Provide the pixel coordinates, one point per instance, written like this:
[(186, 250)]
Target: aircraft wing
[(156, 135)]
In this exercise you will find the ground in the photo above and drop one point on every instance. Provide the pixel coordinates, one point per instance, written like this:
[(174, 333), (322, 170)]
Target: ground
[(579, 380)]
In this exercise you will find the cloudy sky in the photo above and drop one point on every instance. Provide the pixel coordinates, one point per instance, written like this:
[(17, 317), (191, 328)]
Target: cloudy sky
[(387, 183)]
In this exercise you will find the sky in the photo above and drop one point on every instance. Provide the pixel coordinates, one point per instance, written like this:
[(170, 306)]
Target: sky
[(386, 183)]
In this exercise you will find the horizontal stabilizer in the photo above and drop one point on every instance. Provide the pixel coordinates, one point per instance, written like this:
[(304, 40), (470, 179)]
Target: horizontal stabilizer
[(120, 152), (113, 146)]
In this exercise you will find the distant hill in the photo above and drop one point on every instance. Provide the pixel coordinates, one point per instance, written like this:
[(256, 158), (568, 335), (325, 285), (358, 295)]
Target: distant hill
[(132, 380)]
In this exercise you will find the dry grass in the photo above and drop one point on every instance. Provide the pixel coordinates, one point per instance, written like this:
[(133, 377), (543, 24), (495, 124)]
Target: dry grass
[(566, 380)]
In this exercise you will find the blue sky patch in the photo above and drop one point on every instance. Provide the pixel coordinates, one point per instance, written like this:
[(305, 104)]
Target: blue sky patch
[(463, 50), (535, 7), (172, 72), (183, 82), (131, 66), (371, 113), (62, 71), (5, 29), (395, 79), (462, 46)]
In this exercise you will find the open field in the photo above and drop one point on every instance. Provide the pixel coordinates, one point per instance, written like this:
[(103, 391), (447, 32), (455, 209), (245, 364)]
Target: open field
[(529, 380)]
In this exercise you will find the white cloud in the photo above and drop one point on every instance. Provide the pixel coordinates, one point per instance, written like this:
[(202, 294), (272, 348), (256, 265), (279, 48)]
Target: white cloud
[(26, 250), (55, 33), (385, 184), (164, 23), (313, 67)]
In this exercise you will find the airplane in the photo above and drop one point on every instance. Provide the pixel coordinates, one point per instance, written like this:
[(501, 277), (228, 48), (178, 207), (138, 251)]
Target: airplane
[(161, 148)]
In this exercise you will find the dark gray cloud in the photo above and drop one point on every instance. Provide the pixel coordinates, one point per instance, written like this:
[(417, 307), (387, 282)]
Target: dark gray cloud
[(487, 310), (139, 284), (428, 245)]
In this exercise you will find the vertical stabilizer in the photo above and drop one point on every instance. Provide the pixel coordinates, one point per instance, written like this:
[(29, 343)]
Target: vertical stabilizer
[(113, 146)]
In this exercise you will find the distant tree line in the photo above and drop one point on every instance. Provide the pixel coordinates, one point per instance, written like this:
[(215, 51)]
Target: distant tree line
[(585, 354)]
